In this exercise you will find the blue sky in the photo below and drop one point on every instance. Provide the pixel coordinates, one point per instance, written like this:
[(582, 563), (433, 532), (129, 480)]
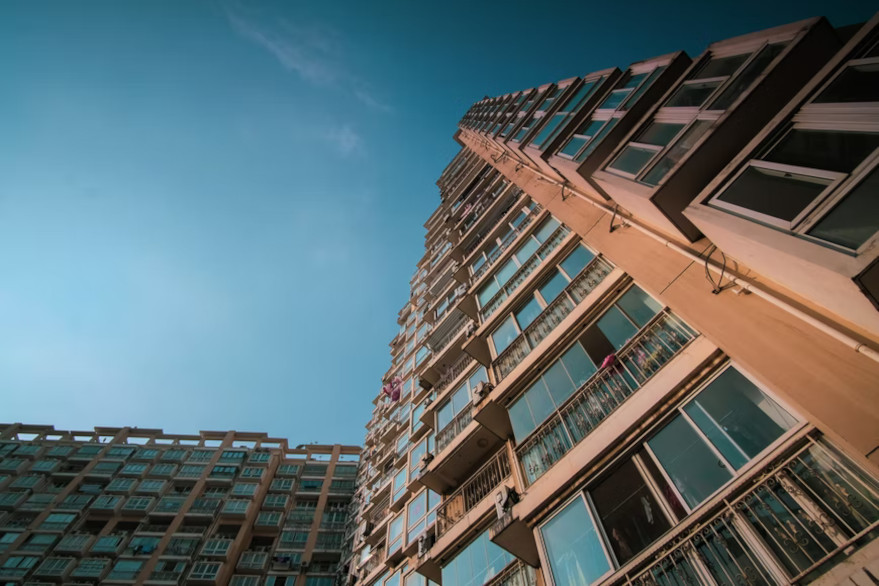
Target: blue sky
[(210, 211)]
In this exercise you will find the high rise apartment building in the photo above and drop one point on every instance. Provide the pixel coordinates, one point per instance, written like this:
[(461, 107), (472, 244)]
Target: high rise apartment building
[(640, 346), (138, 506)]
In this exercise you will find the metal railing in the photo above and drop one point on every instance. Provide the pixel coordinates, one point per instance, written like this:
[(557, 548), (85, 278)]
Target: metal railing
[(506, 242), (552, 315), (798, 514), (445, 436), (523, 271), (660, 340), (478, 486), (518, 573), (454, 371), (158, 576), (451, 334)]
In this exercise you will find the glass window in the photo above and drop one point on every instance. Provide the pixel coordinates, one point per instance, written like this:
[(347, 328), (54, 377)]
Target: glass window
[(628, 512), (677, 152), (725, 426), (504, 335), (737, 417), (743, 80), (853, 85), (791, 192), (855, 219), (476, 564), (573, 547)]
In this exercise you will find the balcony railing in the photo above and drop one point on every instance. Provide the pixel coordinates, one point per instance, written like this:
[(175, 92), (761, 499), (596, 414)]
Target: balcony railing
[(656, 344), (159, 576), (451, 334), (577, 290), (454, 371), (523, 271), (801, 512), (478, 486), (505, 243), (518, 573), (445, 436)]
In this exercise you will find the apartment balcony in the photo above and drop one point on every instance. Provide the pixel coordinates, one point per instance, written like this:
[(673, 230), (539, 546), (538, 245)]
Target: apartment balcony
[(487, 213), (474, 491), (164, 578), (460, 447), (528, 267), (783, 524), (106, 504), (74, 543), (576, 291), (503, 246), (253, 561), (660, 341), (517, 573), (447, 341), (203, 506)]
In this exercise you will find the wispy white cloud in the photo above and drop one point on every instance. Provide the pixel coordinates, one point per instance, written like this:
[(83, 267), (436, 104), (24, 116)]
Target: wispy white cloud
[(370, 100), (300, 50), (345, 140), (311, 50)]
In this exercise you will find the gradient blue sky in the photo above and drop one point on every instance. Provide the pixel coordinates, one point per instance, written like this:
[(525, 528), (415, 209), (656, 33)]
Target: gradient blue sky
[(210, 211)]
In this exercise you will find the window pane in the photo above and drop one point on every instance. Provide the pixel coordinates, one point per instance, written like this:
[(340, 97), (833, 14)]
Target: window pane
[(539, 401), (546, 229), (528, 312), (677, 152), (444, 415), (693, 468), (524, 252), (521, 419), (632, 159), (551, 288), (744, 79), (639, 306), (547, 130), (722, 66), (628, 512), (858, 83), (615, 98), (774, 193), (644, 87), (596, 140), (737, 417), (573, 546), (616, 327), (487, 291), (578, 364), (692, 94), (506, 271), (504, 335), (573, 146), (824, 149), (659, 133), (575, 261), (558, 382), (855, 219)]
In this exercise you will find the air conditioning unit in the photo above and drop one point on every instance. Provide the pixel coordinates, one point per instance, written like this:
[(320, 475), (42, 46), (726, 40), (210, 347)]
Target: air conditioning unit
[(471, 329), (504, 500), (425, 542), (461, 290), (303, 567), (481, 391), (425, 460)]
